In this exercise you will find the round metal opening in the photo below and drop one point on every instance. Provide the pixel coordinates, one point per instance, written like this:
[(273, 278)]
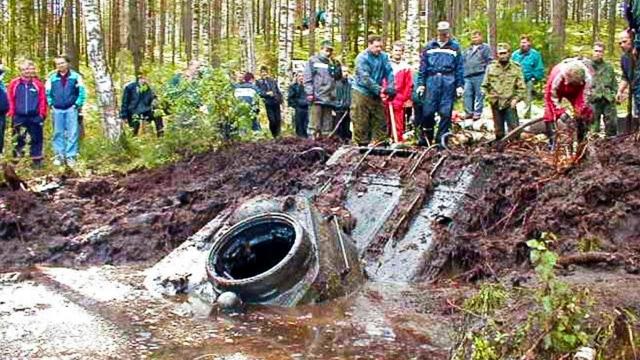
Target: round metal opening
[(260, 257), (255, 250)]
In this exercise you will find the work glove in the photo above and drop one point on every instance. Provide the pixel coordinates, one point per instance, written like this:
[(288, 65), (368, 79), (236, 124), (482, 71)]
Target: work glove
[(459, 91), (420, 90), (514, 103)]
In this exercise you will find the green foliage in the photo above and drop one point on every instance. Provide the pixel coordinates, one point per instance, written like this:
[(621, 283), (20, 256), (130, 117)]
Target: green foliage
[(490, 298), (589, 244)]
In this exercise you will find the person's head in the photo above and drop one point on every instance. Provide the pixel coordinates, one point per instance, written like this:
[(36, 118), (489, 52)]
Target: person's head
[(444, 30), (598, 51), (27, 69), (239, 76), (397, 51), (625, 41), (264, 72), (326, 48), (345, 72), (476, 37), (525, 42), (375, 44), (248, 77), (193, 68), (503, 50), (62, 63), (299, 77), (575, 75)]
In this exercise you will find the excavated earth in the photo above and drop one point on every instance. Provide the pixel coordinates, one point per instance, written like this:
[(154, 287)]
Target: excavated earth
[(518, 192)]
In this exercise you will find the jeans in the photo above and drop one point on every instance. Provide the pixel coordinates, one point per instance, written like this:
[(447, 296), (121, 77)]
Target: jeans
[(31, 126), (528, 100), (66, 133), (301, 122), (3, 122), (473, 96)]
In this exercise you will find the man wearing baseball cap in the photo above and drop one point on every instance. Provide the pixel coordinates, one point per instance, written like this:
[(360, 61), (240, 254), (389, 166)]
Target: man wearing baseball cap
[(504, 87), (441, 78)]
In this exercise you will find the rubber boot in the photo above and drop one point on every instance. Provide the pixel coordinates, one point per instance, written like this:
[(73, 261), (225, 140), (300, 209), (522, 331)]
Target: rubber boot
[(550, 131)]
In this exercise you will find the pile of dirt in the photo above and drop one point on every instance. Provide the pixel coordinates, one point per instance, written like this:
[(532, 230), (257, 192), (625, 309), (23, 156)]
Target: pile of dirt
[(593, 207), (144, 215)]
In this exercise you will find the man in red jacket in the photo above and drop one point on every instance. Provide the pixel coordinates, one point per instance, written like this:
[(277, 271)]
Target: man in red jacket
[(28, 109), (404, 85), (571, 79)]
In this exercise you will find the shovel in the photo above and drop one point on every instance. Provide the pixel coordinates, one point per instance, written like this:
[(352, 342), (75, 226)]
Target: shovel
[(394, 130)]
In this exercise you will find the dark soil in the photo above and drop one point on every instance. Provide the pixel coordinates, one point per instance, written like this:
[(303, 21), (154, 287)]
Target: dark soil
[(592, 206), (144, 215)]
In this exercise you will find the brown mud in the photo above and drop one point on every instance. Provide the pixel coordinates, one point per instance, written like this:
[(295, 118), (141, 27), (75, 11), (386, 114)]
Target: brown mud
[(144, 215)]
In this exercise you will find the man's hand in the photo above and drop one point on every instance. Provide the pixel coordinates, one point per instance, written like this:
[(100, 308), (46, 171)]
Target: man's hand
[(310, 98), (459, 91), (420, 90), (408, 103), (514, 103), (270, 93), (621, 96)]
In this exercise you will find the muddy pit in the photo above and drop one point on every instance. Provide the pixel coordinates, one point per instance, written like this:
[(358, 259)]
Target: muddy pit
[(427, 227)]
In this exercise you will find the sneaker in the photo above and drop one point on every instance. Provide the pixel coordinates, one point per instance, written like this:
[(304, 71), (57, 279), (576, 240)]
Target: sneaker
[(57, 162)]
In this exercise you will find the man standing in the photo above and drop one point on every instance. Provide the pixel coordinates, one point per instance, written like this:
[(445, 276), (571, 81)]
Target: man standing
[(571, 79), (603, 95), (626, 62), (297, 100), (28, 108), (367, 111), (4, 108), (272, 97), (342, 118), (476, 59), (532, 67), (247, 92), (504, 87), (441, 78), (404, 84), (320, 75), (137, 105), (65, 95)]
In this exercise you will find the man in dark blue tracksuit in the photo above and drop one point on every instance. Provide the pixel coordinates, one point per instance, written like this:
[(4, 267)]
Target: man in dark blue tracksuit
[(441, 79), (4, 108)]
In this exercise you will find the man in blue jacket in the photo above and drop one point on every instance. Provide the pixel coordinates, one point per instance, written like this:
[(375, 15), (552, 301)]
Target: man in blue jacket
[(441, 78), (367, 112), (476, 59), (65, 96), (532, 68), (4, 108)]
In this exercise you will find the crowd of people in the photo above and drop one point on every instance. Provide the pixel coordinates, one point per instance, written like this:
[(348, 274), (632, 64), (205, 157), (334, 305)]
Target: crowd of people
[(376, 106)]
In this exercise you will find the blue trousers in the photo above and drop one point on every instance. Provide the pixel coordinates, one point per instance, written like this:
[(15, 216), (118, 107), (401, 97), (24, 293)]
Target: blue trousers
[(31, 126), (66, 133), (440, 95), (3, 122), (473, 96)]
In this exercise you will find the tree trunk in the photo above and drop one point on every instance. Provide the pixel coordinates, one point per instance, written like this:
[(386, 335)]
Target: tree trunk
[(493, 24), (97, 60), (246, 33), (285, 42), (412, 38), (612, 26), (163, 30), (596, 19), (558, 36), (135, 41), (312, 27)]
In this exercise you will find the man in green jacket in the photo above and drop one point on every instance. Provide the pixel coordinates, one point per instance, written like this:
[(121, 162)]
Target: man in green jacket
[(532, 68), (603, 94), (504, 87)]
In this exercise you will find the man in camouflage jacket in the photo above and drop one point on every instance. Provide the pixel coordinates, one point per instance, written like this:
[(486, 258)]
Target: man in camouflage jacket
[(504, 87), (603, 94)]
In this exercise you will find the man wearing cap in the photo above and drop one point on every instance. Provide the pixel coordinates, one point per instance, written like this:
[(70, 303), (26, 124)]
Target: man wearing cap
[(532, 67), (404, 84), (571, 79), (603, 96), (320, 75), (504, 86), (367, 111), (137, 105), (476, 59), (441, 78)]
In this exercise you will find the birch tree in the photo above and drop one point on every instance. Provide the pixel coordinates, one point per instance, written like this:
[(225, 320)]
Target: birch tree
[(285, 42), (246, 31), (412, 37), (98, 62)]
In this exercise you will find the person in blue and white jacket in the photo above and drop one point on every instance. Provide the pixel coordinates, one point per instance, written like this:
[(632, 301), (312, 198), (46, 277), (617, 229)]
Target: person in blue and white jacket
[(441, 79), (65, 95)]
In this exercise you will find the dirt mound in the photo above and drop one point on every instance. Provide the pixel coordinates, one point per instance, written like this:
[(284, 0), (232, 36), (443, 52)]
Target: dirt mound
[(594, 206), (144, 215)]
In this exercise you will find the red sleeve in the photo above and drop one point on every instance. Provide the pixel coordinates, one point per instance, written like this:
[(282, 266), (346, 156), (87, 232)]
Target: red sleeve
[(11, 93), (42, 99)]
